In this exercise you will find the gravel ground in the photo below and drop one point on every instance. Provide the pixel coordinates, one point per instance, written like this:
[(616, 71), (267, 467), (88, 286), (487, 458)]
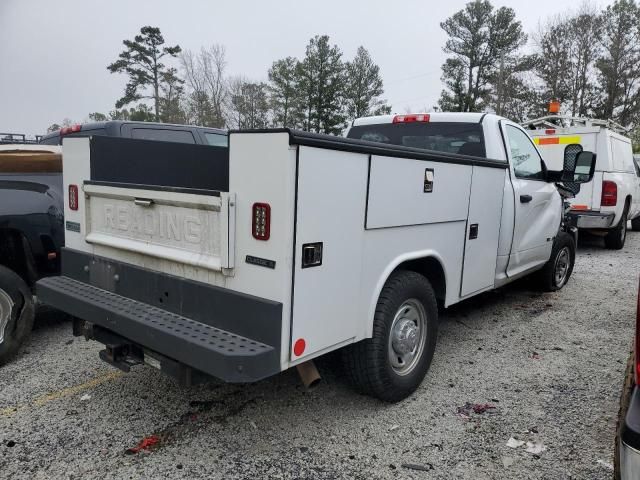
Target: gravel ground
[(550, 364)]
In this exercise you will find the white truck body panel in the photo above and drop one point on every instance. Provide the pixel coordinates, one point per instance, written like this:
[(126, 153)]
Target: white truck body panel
[(371, 211)]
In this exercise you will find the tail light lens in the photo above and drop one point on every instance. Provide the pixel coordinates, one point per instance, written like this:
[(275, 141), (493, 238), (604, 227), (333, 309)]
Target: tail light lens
[(609, 194), (261, 221), (73, 197), (71, 129), (419, 117)]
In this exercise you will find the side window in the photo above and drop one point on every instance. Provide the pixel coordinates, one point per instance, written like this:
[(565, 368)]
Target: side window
[(216, 139), (163, 135), (526, 160)]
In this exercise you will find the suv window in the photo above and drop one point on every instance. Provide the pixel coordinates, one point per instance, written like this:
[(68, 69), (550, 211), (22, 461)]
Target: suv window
[(216, 139), (163, 135), (450, 137), (527, 163)]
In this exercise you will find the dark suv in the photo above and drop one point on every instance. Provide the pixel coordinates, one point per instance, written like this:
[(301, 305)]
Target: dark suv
[(164, 132)]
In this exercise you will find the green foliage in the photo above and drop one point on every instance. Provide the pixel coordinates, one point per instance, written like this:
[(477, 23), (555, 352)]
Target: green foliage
[(480, 40), (619, 65), (363, 87), (321, 85), (141, 61), (284, 94), (98, 117), (249, 104)]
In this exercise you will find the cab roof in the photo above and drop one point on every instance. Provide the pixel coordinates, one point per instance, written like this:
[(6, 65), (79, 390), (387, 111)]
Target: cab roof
[(461, 117)]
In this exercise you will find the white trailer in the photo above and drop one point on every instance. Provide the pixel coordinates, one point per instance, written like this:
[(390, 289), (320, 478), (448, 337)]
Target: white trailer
[(307, 244)]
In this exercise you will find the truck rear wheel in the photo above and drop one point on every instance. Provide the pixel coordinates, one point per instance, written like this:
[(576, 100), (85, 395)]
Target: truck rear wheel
[(17, 313), (616, 237), (392, 364), (559, 267)]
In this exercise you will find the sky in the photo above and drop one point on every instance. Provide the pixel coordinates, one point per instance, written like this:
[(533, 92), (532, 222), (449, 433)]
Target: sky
[(53, 54)]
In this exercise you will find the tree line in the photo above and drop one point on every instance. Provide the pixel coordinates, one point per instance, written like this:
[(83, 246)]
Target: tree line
[(318, 92), (588, 59)]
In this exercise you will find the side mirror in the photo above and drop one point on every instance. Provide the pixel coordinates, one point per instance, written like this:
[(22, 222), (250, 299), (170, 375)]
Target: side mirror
[(582, 170)]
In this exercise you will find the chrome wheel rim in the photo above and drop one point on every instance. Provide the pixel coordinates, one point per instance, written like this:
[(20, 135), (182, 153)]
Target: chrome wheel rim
[(563, 260), (6, 305), (407, 337)]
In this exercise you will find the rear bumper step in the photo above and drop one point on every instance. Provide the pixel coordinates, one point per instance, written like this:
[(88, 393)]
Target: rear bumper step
[(211, 350)]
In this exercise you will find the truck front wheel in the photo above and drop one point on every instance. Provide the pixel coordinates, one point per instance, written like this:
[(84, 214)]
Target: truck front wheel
[(392, 364), (559, 267), (17, 313)]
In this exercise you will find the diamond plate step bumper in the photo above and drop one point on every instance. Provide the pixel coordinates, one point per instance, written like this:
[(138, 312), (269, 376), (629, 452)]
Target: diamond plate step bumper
[(216, 352)]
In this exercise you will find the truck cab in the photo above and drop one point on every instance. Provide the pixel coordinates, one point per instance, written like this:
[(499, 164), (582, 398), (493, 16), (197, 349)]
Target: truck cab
[(606, 204)]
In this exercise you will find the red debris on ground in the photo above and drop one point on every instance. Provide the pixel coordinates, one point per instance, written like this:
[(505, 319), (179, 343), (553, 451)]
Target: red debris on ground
[(145, 444), (482, 407)]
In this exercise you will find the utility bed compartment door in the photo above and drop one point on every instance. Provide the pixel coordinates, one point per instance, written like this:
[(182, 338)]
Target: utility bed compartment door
[(188, 228), (483, 229)]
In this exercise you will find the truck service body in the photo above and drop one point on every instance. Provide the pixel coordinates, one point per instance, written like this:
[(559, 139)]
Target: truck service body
[(275, 251)]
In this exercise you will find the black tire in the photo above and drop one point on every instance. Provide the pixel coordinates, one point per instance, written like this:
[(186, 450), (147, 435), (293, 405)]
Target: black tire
[(562, 245), (368, 363), (635, 224), (616, 237), (17, 313)]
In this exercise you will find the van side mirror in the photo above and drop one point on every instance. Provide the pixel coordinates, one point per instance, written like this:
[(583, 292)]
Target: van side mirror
[(582, 169)]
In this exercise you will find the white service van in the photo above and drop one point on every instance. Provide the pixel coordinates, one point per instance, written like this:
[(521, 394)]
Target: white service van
[(613, 197), (240, 263)]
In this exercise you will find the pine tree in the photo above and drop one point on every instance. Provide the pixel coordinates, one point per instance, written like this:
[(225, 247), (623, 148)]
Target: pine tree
[(363, 87), (321, 80), (284, 93), (141, 61)]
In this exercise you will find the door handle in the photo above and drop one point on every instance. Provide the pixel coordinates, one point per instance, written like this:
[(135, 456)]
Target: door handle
[(143, 202), (525, 198)]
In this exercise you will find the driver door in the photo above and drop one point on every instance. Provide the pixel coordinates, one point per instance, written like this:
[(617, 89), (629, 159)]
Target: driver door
[(538, 206)]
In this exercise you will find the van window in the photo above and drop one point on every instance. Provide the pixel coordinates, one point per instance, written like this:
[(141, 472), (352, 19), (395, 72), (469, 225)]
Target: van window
[(524, 156), (163, 135), (622, 155)]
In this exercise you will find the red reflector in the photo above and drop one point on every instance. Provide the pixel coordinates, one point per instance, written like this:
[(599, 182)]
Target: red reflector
[(299, 346), (420, 117), (609, 194), (261, 221), (550, 132), (73, 197)]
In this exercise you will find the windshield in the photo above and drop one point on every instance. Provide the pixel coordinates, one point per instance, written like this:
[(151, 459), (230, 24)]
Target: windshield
[(450, 137)]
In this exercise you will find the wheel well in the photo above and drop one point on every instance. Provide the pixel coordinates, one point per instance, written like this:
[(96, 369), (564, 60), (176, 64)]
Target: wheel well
[(14, 254), (627, 203), (432, 270)]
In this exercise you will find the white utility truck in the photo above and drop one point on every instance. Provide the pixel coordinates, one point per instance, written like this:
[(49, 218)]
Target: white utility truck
[(240, 263), (613, 198)]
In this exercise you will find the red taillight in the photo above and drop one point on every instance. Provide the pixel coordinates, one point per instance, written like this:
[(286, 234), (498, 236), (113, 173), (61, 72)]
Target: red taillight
[(609, 194), (261, 221), (549, 132), (637, 376), (71, 129), (420, 117), (73, 197)]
